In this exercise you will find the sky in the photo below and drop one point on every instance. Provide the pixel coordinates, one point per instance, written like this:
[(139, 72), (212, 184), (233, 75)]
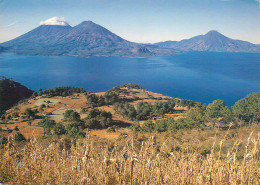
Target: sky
[(143, 21)]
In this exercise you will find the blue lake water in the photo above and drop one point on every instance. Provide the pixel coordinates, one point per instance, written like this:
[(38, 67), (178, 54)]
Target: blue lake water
[(201, 77)]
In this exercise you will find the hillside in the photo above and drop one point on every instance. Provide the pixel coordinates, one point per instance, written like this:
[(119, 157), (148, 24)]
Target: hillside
[(55, 106), (12, 92), (118, 135)]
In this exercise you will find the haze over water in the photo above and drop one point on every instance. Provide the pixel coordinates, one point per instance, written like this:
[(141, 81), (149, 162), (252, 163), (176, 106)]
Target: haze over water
[(201, 77)]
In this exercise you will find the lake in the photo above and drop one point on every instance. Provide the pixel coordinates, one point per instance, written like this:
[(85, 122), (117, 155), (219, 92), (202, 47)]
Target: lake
[(201, 77)]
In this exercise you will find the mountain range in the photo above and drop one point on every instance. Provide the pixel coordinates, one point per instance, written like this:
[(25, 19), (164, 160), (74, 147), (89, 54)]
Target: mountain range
[(90, 39)]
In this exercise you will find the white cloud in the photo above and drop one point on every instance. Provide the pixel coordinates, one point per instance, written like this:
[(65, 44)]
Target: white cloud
[(55, 21)]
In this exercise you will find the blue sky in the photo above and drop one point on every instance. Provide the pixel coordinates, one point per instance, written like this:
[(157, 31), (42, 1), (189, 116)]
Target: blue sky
[(145, 21)]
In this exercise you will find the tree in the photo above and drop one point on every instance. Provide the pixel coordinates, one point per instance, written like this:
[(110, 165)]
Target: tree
[(248, 108), (161, 126), (16, 128), (148, 126), (35, 94), (195, 117), (15, 115), (40, 92), (9, 116), (59, 129), (161, 108), (18, 137), (71, 115), (110, 98), (74, 131), (3, 141), (125, 109), (217, 111), (144, 110), (29, 113), (47, 124), (92, 100), (29, 123)]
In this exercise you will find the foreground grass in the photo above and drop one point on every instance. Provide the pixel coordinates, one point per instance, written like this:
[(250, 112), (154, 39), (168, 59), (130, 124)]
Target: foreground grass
[(129, 161)]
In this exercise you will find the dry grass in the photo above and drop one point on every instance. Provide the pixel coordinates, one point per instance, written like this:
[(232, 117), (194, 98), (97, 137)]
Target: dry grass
[(128, 161), (32, 132)]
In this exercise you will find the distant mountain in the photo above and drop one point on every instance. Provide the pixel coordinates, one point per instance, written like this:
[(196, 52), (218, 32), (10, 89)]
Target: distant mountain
[(12, 92), (213, 41), (90, 39), (85, 39)]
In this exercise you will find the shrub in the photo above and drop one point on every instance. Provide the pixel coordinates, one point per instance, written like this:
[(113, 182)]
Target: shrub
[(59, 129), (47, 123), (15, 115), (161, 108), (111, 129), (98, 119), (3, 141), (148, 126), (110, 98), (136, 127), (248, 108), (18, 137), (144, 110), (71, 115), (62, 91), (16, 128), (126, 110), (74, 131), (29, 113), (93, 100)]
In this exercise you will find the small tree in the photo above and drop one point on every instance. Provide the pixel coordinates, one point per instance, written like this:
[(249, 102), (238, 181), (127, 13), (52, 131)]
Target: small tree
[(216, 111), (16, 128), (248, 108), (29, 123), (35, 94), (47, 124), (59, 129), (18, 137), (71, 115), (92, 100), (3, 141), (29, 113), (148, 126)]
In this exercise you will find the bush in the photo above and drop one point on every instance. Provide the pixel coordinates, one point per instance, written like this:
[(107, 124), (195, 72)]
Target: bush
[(161, 108), (186, 103), (71, 115), (18, 137), (110, 98), (74, 131), (47, 123), (148, 126), (136, 127), (111, 129), (126, 110), (16, 128), (62, 91), (3, 141), (98, 119), (15, 115), (248, 109), (144, 111), (29, 113), (59, 129), (93, 100)]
